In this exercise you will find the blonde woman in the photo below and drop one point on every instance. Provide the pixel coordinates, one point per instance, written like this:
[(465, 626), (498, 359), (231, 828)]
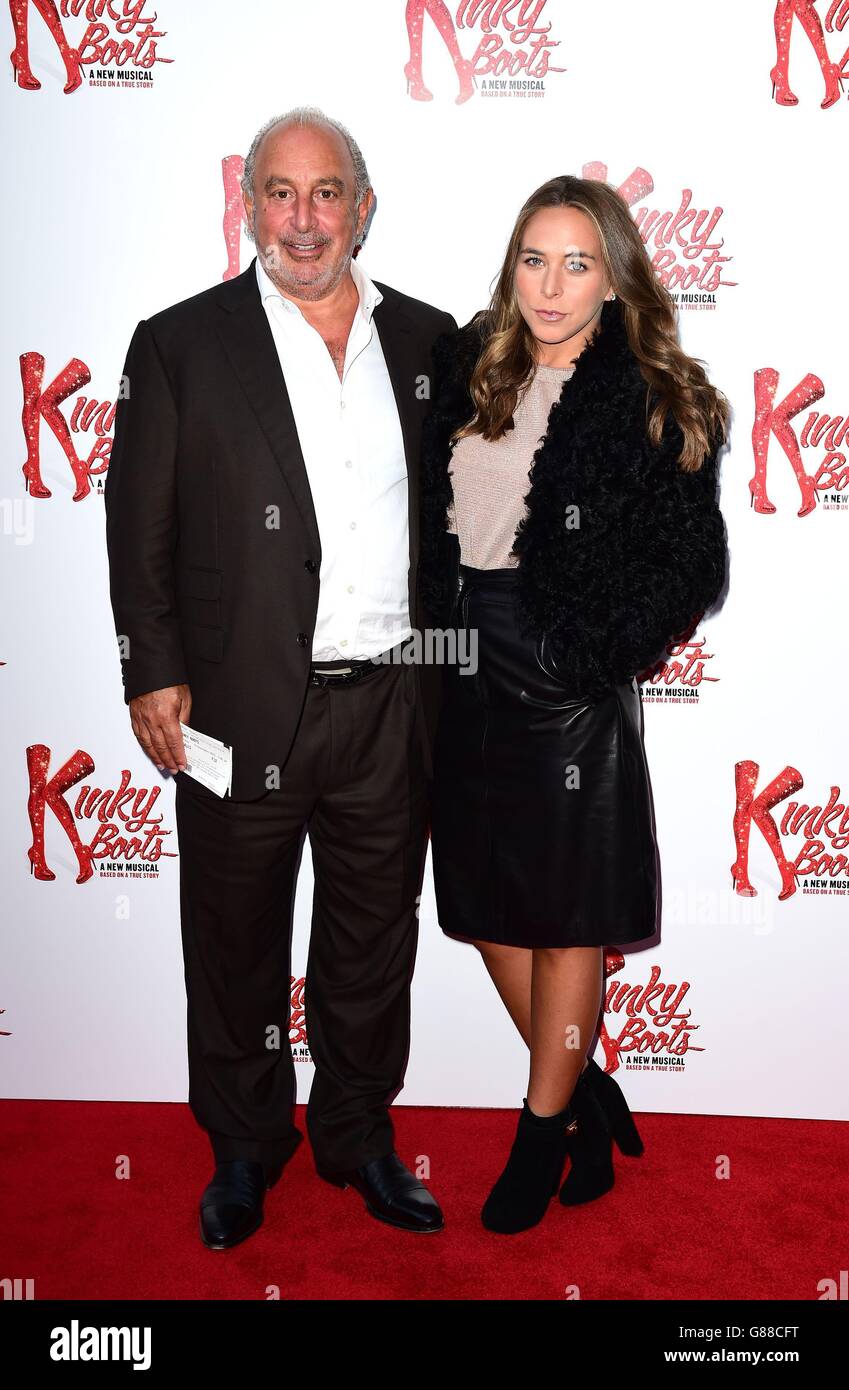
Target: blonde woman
[(570, 521)]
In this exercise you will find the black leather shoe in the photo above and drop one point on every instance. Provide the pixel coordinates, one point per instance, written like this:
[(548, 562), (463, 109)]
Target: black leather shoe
[(391, 1193), (231, 1205)]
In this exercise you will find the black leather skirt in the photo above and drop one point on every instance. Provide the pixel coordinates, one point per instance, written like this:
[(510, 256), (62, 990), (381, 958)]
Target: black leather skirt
[(542, 830)]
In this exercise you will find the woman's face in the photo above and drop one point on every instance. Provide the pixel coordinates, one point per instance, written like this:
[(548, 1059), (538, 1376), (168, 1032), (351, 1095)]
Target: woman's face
[(560, 282)]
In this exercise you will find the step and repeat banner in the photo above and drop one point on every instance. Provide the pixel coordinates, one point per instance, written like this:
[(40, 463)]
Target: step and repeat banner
[(725, 130)]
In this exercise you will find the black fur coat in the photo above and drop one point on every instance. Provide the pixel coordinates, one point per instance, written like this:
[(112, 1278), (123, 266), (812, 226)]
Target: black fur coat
[(605, 597)]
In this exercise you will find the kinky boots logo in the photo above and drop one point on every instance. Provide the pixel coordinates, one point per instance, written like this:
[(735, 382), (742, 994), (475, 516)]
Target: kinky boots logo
[(682, 241), (822, 434), (800, 18), (645, 1026), (118, 43), (678, 677), (509, 46), (685, 248), (820, 862), (84, 436), (128, 840), (298, 1040)]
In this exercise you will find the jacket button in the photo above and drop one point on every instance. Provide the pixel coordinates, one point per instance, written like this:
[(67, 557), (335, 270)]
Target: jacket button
[(302, 639), (310, 565)]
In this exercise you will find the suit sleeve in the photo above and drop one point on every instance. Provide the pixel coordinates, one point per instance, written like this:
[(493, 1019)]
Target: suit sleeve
[(141, 523), (669, 568)]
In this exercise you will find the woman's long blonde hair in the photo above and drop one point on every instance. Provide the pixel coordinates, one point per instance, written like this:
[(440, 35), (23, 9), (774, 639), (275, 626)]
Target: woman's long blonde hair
[(678, 381)]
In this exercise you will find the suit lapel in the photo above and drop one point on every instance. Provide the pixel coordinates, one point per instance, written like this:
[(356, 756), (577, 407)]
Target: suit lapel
[(397, 341), (249, 343)]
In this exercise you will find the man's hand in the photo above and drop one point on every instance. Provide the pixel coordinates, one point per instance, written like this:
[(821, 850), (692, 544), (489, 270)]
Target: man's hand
[(156, 719)]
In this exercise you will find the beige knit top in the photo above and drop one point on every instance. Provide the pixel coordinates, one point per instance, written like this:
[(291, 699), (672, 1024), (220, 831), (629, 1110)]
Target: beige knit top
[(490, 479)]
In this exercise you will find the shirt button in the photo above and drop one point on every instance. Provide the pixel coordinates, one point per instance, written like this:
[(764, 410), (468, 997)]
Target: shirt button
[(310, 565), (350, 588), (348, 463), (341, 405), (353, 525), (344, 642), (302, 639)]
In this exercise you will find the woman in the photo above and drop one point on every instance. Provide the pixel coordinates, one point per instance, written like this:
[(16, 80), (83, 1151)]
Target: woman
[(542, 839)]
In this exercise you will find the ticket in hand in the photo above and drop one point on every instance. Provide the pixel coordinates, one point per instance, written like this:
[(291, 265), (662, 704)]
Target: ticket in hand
[(208, 760)]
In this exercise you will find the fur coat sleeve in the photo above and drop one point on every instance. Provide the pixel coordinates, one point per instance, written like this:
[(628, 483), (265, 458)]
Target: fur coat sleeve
[(663, 543)]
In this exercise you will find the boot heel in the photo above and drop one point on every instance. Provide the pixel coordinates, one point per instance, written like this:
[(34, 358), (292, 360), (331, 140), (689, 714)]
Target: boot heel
[(626, 1135), (619, 1118)]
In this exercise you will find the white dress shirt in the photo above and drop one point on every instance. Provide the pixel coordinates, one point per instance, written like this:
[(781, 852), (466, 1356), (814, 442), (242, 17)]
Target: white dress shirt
[(353, 449)]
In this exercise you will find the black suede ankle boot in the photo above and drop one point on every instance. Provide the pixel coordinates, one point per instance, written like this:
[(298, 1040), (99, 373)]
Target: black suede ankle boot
[(591, 1164), (532, 1175)]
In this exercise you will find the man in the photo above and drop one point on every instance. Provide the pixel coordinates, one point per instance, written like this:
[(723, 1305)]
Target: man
[(262, 519)]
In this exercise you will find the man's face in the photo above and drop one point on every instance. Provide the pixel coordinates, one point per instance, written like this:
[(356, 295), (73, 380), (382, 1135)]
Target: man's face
[(304, 214)]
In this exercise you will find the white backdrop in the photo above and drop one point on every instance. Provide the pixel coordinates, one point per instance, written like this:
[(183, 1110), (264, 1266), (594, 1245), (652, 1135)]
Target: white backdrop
[(118, 206)]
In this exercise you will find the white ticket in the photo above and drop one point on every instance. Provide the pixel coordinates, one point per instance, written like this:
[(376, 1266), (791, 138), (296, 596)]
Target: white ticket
[(208, 760)]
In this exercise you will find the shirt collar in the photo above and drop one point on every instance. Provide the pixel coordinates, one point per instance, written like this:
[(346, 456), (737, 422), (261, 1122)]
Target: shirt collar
[(370, 295)]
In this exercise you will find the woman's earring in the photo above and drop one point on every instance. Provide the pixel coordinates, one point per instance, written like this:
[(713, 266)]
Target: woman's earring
[(612, 297)]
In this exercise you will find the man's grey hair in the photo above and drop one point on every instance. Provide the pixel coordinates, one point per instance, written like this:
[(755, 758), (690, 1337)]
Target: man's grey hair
[(311, 116)]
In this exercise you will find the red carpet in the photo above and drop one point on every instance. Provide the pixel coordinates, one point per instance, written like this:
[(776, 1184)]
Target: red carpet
[(669, 1228)]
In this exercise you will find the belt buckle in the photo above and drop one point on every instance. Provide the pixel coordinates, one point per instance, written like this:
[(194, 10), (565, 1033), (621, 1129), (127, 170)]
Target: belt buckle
[(346, 675), (322, 678)]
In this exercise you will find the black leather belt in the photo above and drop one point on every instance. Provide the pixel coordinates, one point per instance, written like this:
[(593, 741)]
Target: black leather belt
[(341, 672)]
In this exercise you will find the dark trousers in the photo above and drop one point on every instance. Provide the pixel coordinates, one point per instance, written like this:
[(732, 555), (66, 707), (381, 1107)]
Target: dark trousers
[(355, 783)]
